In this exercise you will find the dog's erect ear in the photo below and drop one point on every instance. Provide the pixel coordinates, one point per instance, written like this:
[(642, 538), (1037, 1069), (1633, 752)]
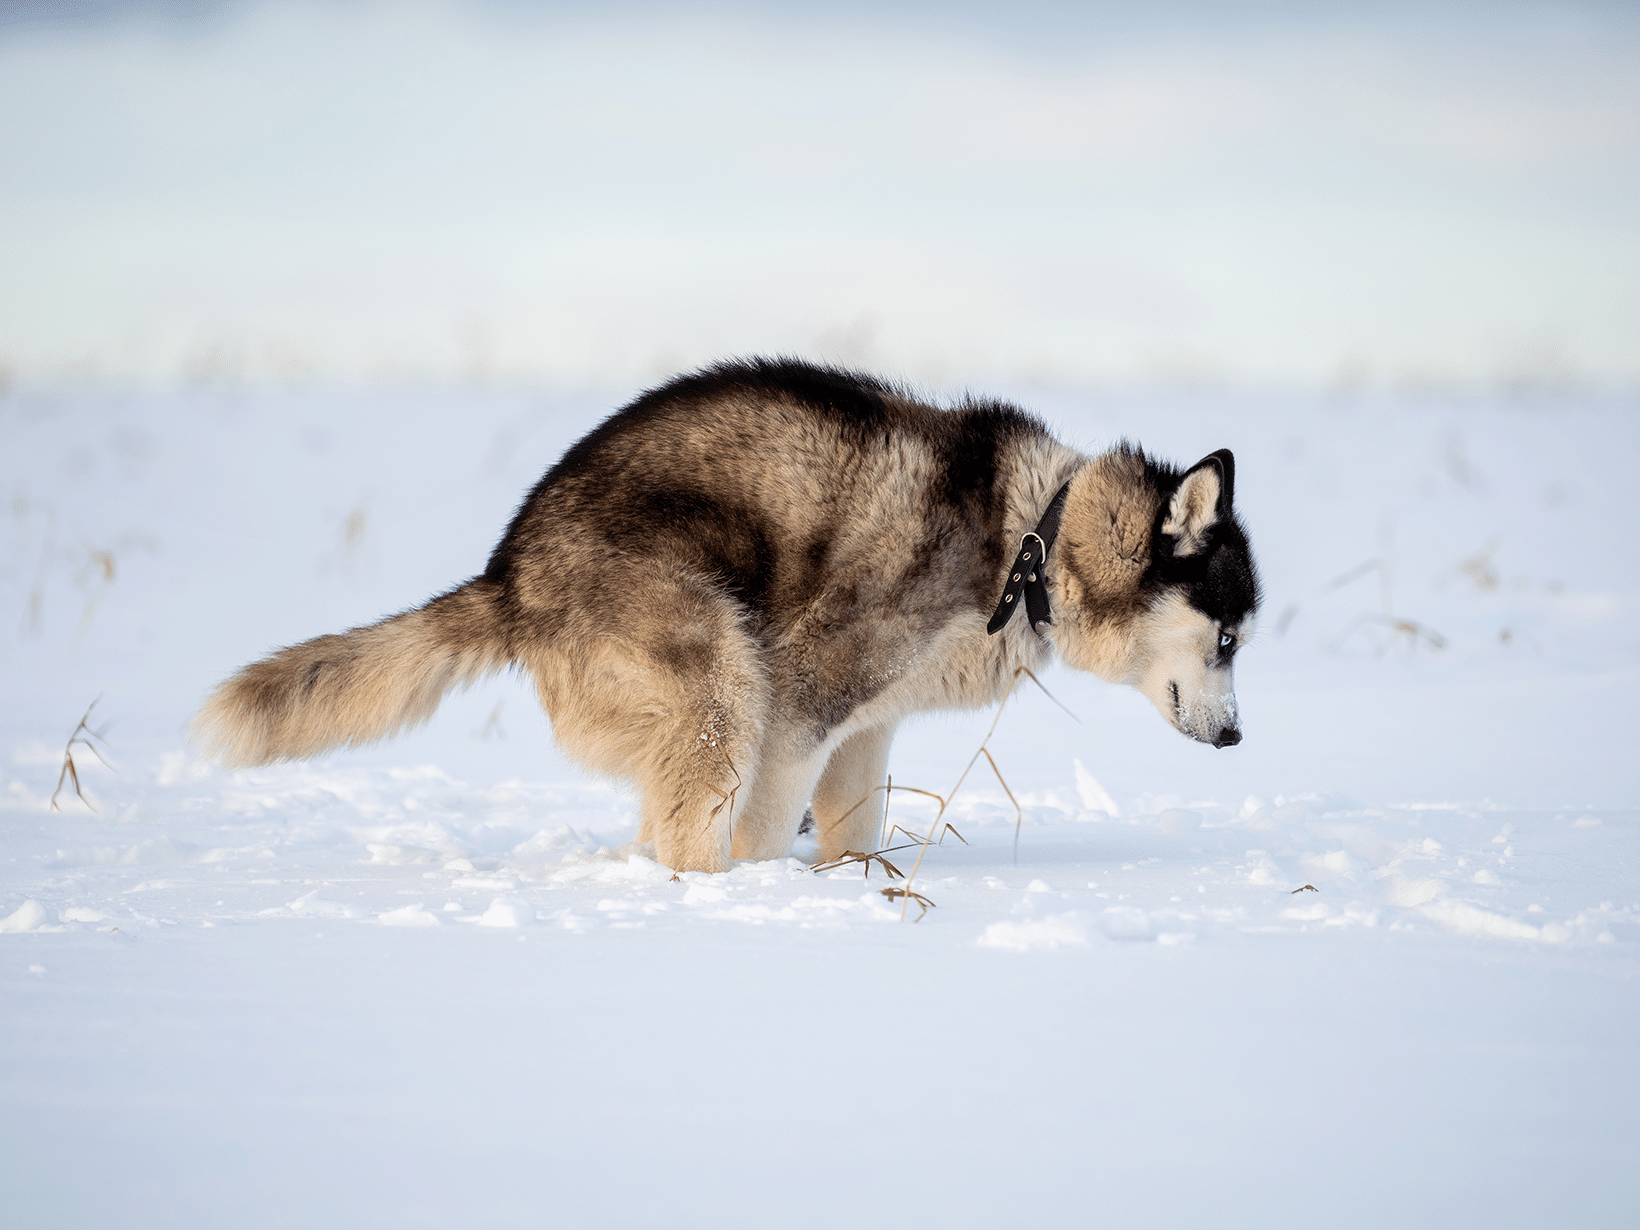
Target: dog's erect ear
[(1227, 477), (1202, 498)]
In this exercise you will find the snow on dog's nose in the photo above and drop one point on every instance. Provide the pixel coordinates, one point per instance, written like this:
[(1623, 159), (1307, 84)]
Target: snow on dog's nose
[(1203, 703)]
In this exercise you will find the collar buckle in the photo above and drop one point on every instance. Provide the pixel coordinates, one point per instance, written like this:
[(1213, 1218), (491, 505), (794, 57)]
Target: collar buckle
[(1027, 575)]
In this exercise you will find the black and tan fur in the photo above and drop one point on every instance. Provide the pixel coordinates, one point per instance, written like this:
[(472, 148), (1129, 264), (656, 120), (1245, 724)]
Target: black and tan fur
[(733, 590)]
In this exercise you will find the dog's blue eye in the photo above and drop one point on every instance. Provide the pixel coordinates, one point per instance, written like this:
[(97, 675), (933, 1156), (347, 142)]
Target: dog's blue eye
[(1226, 640)]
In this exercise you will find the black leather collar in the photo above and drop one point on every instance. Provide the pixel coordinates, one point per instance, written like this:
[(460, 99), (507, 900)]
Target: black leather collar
[(1027, 575)]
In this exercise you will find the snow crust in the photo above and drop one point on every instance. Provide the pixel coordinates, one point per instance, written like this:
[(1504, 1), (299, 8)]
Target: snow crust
[(1375, 966)]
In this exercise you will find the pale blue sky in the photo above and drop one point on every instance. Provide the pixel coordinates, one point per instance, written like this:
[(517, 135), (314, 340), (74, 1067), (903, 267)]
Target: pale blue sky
[(1271, 194)]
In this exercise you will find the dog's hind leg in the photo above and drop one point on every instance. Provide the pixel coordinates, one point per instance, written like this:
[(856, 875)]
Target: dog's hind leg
[(693, 789), (673, 702), (852, 775)]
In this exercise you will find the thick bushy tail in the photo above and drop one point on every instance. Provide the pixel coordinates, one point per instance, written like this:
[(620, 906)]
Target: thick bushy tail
[(355, 687)]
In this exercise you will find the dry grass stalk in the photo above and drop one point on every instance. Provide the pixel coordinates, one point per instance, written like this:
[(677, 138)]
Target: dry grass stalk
[(1307, 888), (37, 593), (885, 790), (95, 576), (727, 799), (854, 856), (918, 839), (1019, 812), (882, 828), (1479, 569), (83, 736), (940, 826), (923, 902), (973, 760), (1398, 627)]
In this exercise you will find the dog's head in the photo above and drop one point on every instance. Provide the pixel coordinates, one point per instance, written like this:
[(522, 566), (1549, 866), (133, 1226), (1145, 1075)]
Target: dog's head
[(1156, 585)]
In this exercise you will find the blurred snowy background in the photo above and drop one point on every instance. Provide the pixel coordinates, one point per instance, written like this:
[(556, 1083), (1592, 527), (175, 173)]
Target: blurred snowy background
[(296, 301), (1329, 195)]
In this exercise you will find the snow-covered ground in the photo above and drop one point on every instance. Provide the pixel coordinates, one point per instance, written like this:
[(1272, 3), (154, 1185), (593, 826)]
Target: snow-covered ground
[(434, 983)]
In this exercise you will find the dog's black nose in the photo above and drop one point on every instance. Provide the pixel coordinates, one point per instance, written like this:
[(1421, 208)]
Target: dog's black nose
[(1228, 737)]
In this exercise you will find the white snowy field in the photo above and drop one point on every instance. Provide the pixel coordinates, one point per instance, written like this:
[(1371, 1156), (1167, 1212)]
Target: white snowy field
[(434, 983)]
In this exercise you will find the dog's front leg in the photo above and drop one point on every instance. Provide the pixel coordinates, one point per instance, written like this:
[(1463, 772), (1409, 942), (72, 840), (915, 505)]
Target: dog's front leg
[(848, 806), (788, 765)]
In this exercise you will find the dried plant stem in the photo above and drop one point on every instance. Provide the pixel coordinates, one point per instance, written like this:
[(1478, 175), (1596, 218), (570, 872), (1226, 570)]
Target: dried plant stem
[(82, 735), (886, 790), (982, 751), (940, 826), (855, 856), (882, 829), (1019, 812), (923, 902), (37, 593), (727, 799), (1398, 627)]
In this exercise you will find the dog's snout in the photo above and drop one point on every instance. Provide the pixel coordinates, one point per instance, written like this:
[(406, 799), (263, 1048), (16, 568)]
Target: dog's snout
[(1228, 737)]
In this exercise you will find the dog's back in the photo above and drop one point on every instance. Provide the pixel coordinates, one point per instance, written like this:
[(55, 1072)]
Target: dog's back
[(779, 479)]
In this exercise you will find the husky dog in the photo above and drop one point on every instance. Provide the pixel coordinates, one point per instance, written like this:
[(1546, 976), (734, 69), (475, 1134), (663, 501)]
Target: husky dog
[(731, 592)]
